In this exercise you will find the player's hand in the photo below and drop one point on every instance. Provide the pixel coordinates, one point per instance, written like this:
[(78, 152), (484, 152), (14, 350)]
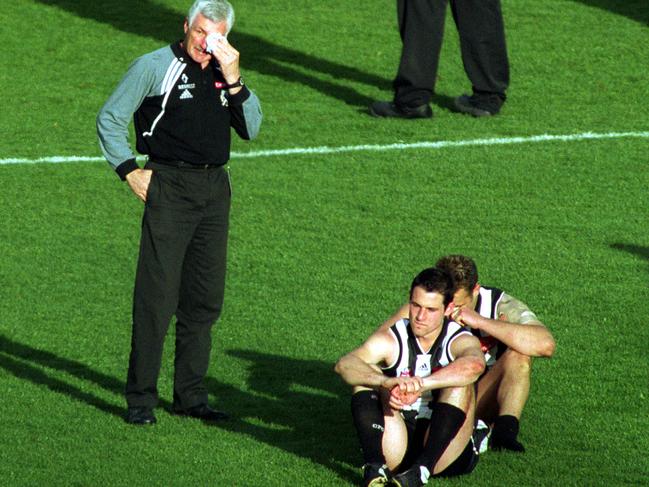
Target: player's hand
[(466, 316), (405, 384), (403, 390), (139, 181), (399, 398)]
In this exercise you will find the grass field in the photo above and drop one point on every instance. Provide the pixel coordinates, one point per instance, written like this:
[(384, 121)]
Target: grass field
[(323, 246)]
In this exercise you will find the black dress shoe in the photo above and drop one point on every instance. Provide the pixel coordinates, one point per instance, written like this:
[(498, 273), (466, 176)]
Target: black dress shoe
[(203, 412), (389, 109), (140, 415), (478, 106)]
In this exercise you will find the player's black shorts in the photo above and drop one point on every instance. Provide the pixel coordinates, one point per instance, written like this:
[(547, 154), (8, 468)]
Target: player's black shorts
[(417, 427)]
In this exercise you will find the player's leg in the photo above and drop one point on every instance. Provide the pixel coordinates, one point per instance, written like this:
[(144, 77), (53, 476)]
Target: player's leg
[(463, 400), (502, 395), (378, 435), (451, 427), (395, 438), (382, 434)]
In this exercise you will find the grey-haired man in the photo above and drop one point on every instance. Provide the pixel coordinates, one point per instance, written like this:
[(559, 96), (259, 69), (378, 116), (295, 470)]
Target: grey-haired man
[(184, 99)]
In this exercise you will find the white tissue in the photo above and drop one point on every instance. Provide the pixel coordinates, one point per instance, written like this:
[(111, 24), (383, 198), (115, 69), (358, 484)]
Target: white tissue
[(212, 40)]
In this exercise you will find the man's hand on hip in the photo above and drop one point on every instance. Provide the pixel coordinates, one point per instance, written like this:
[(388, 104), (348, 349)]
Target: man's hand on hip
[(139, 181)]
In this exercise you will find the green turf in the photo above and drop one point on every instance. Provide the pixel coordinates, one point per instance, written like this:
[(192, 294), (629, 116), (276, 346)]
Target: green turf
[(323, 247)]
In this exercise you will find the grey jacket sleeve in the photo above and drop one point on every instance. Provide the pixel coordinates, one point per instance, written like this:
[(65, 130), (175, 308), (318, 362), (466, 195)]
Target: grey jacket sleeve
[(245, 110), (116, 114), (252, 114)]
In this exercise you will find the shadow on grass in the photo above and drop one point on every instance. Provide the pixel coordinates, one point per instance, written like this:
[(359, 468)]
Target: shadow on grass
[(31, 364), (634, 9), (299, 406), (155, 21), (633, 249), (37, 376)]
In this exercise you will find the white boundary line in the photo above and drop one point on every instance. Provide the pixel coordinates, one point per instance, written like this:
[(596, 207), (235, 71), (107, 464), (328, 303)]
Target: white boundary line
[(373, 148)]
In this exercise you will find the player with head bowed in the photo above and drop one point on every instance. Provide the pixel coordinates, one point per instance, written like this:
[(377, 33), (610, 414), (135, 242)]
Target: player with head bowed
[(413, 402), (510, 336)]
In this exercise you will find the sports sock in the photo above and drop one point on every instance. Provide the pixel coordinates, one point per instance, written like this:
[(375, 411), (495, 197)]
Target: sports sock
[(445, 422), (367, 413), (504, 434)]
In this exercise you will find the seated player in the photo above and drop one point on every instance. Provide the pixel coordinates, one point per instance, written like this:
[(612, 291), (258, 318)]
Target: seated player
[(510, 335), (413, 401)]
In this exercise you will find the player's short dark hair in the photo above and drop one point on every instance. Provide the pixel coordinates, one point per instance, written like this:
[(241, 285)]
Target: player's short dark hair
[(434, 280), (462, 270)]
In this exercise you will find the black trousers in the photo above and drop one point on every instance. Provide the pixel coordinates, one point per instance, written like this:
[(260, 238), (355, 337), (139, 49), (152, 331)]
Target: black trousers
[(181, 272), (482, 42)]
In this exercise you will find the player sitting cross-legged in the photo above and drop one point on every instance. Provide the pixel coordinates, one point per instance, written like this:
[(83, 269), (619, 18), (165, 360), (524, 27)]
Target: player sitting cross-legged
[(413, 401)]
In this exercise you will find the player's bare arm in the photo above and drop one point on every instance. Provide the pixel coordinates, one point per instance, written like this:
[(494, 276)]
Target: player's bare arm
[(518, 327), (361, 367), (466, 368)]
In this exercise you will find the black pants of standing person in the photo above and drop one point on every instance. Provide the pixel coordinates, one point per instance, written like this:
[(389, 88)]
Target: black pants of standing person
[(482, 41), (181, 272)]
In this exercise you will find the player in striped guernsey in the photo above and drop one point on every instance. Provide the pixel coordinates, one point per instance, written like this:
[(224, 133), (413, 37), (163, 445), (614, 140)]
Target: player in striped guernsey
[(413, 401), (510, 336)]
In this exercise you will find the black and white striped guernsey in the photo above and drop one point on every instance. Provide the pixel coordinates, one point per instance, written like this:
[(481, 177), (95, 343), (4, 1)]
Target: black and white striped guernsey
[(413, 361), (487, 306)]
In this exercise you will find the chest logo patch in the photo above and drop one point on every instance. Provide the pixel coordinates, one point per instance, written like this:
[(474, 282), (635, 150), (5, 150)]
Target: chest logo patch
[(422, 366), (184, 87)]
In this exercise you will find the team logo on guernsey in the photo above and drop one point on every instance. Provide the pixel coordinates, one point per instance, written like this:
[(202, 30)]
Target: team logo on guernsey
[(185, 87), (423, 365)]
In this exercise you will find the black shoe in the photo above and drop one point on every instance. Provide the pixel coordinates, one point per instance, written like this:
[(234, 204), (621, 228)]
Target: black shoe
[(478, 106), (375, 474), (202, 411), (389, 109), (140, 415), (415, 476), (510, 444)]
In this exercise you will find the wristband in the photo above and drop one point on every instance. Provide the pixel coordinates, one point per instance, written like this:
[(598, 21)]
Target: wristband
[(236, 84)]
